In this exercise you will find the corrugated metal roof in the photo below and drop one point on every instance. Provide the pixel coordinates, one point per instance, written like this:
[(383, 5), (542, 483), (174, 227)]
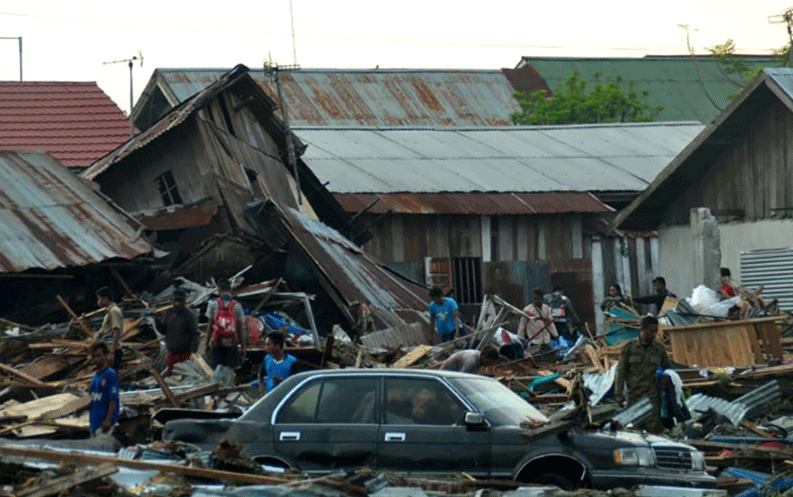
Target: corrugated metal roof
[(76, 122), (50, 218), (676, 82), (345, 97), (353, 275), (612, 157), (489, 204)]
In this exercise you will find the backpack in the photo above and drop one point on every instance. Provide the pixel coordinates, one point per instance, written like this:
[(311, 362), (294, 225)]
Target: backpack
[(224, 329)]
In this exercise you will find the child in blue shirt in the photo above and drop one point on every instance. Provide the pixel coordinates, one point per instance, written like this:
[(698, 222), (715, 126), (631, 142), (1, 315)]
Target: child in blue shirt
[(444, 316), (277, 365), (103, 411)]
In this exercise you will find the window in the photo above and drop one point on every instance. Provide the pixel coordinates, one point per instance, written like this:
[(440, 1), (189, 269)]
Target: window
[(302, 407), (467, 279), (348, 400), (168, 191), (424, 402)]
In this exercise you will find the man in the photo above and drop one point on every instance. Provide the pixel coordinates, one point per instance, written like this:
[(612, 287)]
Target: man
[(103, 410), (444, 316), (113, 322), (225, 340), (661, 293), (637, 369), (538, 327), (277, 365), (469, 361), (181, 331), (564, 317)]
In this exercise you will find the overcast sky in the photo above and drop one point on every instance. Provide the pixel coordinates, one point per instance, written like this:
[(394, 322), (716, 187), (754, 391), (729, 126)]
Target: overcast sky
[(71, 41)]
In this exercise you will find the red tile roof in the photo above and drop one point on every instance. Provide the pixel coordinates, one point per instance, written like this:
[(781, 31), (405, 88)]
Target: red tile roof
[(76, 122)]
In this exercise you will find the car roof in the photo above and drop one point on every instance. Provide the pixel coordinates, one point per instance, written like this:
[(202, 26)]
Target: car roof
[(388, 372)]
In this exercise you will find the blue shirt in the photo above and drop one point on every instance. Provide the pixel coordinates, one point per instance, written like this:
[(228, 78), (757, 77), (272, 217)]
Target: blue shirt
[(104, 388), (444, 315), (280, 369)]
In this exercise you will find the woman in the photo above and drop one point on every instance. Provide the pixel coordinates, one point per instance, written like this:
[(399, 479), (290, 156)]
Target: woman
[(615, 298)]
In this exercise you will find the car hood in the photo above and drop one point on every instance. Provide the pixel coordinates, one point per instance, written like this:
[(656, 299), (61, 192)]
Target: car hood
[(637, 439)]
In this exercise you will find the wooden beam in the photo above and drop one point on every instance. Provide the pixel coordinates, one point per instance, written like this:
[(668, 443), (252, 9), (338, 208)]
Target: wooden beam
[(121, 281), (78, 457), (66, 483), (74, 316), (165, 388), (20, 374)]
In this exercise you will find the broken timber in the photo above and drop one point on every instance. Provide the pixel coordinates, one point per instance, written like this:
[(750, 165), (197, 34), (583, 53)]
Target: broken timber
[(66, 483)]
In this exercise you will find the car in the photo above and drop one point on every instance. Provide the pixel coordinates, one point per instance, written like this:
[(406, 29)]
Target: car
[(426, 421)]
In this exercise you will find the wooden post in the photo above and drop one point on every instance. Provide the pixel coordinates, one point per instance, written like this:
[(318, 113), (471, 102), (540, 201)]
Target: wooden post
[(74, 316)]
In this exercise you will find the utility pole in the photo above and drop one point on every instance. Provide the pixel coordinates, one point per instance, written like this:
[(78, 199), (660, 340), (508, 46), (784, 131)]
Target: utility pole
[(131, 93), (19, 38), (787, 18), (273, 70)]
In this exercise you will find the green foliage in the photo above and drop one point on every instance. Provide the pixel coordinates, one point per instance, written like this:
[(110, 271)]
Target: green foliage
[(736, 69), (609, 101)]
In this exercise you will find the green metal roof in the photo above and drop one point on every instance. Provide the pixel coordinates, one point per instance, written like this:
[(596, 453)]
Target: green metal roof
[(680, 84)]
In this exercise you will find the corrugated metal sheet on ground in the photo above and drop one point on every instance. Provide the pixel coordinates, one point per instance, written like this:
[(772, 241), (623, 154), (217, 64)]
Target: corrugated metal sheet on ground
[(771, 269), (612, 157), (473, 203), (403, 336), (50, 218), (763, 397), (347, 97)]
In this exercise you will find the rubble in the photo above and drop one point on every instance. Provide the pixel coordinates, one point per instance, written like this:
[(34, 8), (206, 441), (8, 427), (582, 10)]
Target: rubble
[(741, 418)]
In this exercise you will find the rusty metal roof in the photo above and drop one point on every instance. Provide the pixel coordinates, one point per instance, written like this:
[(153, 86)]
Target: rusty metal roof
[(489, 204), (349, 274), (50, 218), (591, 157), (379, 97)]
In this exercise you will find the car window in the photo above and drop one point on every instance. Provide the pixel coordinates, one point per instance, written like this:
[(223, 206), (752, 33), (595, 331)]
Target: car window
[(348, 400), (302, 407), (499, 404), (419, 401)]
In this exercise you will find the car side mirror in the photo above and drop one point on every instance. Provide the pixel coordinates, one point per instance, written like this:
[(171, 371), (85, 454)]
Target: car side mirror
[(474, 419)]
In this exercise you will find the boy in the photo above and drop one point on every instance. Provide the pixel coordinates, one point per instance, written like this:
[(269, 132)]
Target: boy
[(225, 340), (103, 411), (277, 365), (113, 323), (181, 331), (444, 316)]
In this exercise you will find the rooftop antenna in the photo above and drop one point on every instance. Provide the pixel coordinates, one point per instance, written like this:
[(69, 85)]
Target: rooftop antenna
[(129, 62), (272, 70), (787, 18), (292, 20)]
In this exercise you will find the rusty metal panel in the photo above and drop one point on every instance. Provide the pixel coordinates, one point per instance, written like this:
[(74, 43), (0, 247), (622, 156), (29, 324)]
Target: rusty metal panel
[(50, 218), (488, 204), (347, 97)]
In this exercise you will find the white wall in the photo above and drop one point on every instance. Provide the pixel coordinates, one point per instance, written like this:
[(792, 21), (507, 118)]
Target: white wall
[(674, 248)]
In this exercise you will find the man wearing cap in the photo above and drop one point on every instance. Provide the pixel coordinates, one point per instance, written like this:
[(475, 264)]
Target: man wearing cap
[(180, 328)]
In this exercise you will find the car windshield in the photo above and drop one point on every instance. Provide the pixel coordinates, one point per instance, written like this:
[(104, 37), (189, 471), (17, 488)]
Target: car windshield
[(499, 404)]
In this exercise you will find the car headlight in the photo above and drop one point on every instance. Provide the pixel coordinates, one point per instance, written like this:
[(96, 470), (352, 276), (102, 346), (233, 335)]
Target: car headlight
[(639, 456), (698, 460)]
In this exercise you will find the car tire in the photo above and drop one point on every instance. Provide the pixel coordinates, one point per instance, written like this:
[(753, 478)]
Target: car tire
[(554, 479)]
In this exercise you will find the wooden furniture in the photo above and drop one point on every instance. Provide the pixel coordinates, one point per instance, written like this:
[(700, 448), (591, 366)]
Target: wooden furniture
[(726, 343)]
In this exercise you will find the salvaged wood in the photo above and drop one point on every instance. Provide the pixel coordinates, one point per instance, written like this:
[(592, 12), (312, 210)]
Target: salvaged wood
[(726, 343), (76, 457), (76, 318), (412, 357), (19, 374), (66, 483)]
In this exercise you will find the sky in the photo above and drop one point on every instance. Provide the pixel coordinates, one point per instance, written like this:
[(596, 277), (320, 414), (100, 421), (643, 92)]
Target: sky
[(74, 41)]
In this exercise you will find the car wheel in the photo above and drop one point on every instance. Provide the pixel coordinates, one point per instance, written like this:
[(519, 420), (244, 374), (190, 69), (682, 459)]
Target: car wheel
[(554, 479)]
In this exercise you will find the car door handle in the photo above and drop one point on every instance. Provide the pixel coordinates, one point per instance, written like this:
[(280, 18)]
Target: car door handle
[(394, 437), (286, 436)]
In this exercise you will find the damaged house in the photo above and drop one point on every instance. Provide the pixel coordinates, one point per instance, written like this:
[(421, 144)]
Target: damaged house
[(58, 237), (211, 180)]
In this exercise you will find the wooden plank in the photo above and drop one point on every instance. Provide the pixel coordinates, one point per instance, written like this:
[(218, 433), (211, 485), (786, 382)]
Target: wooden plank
[(411, 357), (48, 365), (769, 334), (201, 364), (74, 316), (77, 457), (67, 483), (165, 388), (19, 374)]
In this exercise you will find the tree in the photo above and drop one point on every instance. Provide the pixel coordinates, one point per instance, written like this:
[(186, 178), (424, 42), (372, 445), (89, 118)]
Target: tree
[(609, 101), (736, 70)]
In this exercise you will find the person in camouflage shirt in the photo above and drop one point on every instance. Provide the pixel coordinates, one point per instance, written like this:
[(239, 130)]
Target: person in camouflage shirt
[(636, 372)]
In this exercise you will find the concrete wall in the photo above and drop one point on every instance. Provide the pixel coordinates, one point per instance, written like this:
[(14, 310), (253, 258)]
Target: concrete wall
[(675, 248)]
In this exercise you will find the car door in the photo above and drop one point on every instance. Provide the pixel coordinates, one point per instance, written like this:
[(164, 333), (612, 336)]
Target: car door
[(422, 430), (329, 423)]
